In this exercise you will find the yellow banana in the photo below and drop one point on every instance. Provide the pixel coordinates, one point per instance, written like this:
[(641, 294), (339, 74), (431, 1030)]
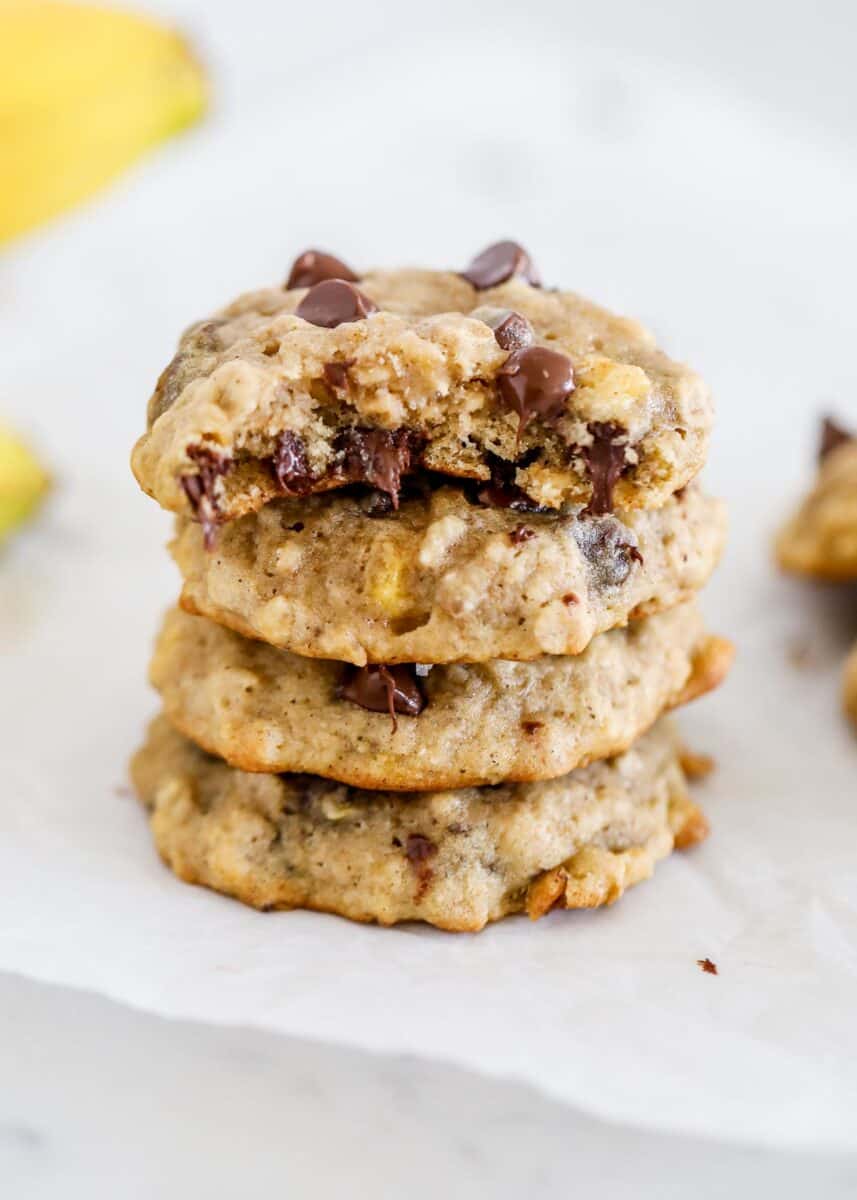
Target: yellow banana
[(23, 483), (84, 90)]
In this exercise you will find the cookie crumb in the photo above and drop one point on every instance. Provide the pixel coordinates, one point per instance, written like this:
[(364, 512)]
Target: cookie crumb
[(696, 766), (709, 967)]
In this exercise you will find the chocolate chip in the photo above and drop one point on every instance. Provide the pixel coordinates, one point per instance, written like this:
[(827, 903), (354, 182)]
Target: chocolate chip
[(298, 527), (709, 967), (531, 726), (498, 263), (501, 491), (336, 374), (290, 465), (521, 534), (200, 488), (379, 688), (832, 436), (334, 302), (419, 851), (605, 461), (571, 598), (379, 457), (378, 504), (534, 382), (512, 331), (604, 543), (314, 266)]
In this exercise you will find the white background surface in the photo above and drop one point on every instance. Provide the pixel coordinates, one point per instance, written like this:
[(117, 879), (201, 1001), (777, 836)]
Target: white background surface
[(698, 173)]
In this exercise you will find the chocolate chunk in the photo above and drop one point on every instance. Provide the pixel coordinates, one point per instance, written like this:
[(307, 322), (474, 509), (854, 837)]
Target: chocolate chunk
[(290, 465), (498, 263), (512, 331), (379, 688), (501, 491), (198, 342), (314, 266), (336, 374), (605, 461), (200, 488), (604, 543), (379, 457), (334, 302), (521, 534), (534, 382), (832, 436), (419, 851)]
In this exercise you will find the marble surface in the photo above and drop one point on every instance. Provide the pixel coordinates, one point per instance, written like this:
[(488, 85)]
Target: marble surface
[(100, 1101), (638, 146)]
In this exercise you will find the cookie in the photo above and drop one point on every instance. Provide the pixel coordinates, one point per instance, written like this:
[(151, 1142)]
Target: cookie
[(849, 689), (821, 538), (456, 859), (443, 580), (410, 728), (540, 396)]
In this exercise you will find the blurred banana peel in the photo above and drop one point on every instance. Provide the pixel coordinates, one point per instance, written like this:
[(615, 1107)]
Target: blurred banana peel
[(23, 483), (84, 90)]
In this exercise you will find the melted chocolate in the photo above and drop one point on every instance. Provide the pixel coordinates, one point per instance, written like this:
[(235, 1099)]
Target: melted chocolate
[(314, 266), (200, 489), (290, 465), (500, 262), (379, 457), (536, 382), (378, 688), (605, 461), (501, 491)]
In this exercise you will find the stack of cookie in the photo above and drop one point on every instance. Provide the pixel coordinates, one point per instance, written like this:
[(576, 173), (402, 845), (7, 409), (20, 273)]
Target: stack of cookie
[(820, 539), (440, 543)]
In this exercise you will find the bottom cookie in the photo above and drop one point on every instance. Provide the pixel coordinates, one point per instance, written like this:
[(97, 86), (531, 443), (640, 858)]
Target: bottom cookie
[(456, 859)]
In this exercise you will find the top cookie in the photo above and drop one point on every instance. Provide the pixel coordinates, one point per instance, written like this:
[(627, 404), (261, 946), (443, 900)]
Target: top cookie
[(540, 396), (821, 538)]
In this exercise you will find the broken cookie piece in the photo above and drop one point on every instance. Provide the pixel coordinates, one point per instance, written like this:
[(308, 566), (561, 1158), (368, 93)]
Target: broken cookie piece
[(478, 373)]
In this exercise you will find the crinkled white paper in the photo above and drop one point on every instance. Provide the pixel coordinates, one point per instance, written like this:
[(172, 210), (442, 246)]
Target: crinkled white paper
[(734, 239)]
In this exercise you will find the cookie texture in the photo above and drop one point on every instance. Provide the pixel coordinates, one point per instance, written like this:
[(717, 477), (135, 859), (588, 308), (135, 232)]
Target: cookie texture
[(444, 580), (821, 538), (294, 391), (456, 859), (264, 709), (849, 689)]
